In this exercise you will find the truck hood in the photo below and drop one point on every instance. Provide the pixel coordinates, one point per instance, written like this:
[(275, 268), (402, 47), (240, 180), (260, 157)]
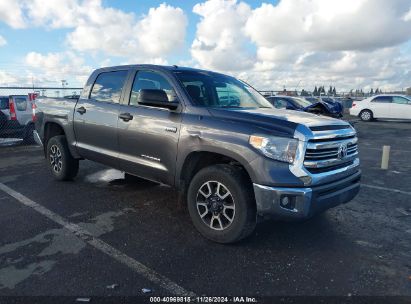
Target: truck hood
[(285, 121)]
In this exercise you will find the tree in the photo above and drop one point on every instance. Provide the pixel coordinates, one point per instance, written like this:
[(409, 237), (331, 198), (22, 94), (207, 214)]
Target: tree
[(372, 91), (377, 91), (330, 90), (315, 93), (334, 92)]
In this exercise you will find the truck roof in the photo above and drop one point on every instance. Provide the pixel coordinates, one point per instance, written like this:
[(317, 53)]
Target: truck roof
[(154, 66)]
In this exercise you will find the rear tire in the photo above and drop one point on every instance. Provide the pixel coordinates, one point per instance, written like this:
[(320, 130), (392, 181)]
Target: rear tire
[(62, 164), (221, 203), (366, 115)]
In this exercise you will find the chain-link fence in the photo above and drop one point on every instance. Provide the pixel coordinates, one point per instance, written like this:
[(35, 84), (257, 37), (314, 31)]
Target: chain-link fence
[(17, 108)]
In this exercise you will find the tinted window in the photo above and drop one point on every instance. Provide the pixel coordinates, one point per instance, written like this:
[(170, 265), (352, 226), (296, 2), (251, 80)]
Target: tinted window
[(301, 102), (108, 86), (382, 99), (312, 99), (400, 100), (21, 103), (209, 89), (4, 103), (279, 103), (148, 80), (228, 95)]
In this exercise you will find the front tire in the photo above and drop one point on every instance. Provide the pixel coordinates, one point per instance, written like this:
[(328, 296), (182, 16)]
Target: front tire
[(62, 164), (221, 203), (366, 115)]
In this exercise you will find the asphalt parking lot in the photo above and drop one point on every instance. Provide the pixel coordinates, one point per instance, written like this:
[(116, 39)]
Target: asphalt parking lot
[(79, 238)]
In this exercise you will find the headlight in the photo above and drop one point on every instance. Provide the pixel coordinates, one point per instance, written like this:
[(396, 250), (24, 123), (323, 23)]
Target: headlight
[(279, 148)]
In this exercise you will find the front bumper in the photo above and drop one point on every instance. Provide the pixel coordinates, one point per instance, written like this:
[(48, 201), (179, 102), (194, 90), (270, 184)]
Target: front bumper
[(301, 203)]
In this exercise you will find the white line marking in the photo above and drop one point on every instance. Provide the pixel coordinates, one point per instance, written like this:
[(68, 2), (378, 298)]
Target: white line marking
[(386, 189), (87, 237)]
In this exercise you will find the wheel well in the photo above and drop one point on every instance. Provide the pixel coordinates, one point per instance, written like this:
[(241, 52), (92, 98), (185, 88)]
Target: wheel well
[(199, 160), (366, 110), (51, 129)]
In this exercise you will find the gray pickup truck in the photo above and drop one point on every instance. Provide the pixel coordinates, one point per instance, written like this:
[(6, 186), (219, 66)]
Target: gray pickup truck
[(233, 157)]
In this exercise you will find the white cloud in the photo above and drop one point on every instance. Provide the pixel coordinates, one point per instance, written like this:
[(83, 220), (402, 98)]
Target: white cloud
[(7, 78), (220, 43), (113, 32), (53, 67), (320, 42), (330, 25), (346, 43), (3, 41), (11, 13), (53, 14), (105, 30), (407, 16)]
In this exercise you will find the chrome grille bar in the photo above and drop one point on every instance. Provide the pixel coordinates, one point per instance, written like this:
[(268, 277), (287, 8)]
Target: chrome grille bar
[(324, 149)]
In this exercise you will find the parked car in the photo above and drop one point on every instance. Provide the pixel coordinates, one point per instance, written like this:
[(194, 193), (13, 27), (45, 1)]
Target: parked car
[(233, 157), (382, 106), (16, 118), (304, 104)]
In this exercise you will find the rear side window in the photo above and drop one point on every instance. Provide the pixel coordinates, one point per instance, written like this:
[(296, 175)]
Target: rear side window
[(382, 99), (108, 86), (21, 103), (4, 103)]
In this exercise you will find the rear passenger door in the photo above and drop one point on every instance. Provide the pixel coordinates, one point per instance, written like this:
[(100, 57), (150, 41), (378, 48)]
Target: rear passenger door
[(381, 106), (95, 118), (148, 140)]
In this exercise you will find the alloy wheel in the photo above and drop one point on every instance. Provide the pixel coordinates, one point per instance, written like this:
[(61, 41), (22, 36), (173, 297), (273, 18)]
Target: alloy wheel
[(215, 205)]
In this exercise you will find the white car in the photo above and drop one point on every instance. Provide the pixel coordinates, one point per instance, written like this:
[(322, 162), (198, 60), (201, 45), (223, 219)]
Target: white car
[(382, 106)]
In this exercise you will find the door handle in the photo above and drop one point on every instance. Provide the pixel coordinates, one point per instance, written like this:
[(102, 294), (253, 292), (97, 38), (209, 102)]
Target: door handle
[(81, 110), (194, 134), (126, 116)]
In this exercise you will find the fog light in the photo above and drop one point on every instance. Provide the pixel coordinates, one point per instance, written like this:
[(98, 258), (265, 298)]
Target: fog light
[(284, 201), (287, 202)]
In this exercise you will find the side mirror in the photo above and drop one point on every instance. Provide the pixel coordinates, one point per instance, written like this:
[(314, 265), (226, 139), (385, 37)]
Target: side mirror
[(156, 98)]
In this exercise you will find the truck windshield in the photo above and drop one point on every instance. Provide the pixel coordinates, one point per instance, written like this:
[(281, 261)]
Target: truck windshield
[(302, 102), (208, 89)]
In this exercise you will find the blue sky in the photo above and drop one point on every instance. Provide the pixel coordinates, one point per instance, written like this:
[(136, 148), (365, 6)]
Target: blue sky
[(272, 44)]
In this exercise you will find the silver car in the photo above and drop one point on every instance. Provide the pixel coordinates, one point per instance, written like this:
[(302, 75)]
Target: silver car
[(17, 117)]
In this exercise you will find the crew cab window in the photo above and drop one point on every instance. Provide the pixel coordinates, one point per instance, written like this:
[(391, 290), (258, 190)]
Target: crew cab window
[(21, 103), (149, 80), (400, 100), (382, 99), (108, 86)]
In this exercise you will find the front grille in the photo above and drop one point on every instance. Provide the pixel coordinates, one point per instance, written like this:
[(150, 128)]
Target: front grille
[(323, 151)]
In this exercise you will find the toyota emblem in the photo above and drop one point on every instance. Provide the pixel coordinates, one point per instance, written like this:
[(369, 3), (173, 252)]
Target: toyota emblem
[(342, 151)]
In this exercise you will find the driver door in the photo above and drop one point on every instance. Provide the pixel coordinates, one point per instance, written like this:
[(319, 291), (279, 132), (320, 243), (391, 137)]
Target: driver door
[(148, 138)]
